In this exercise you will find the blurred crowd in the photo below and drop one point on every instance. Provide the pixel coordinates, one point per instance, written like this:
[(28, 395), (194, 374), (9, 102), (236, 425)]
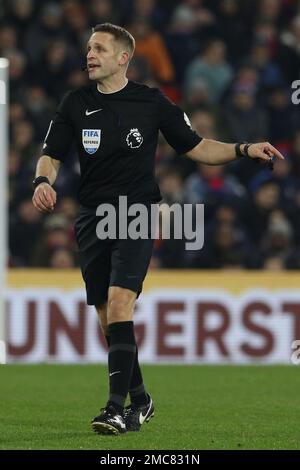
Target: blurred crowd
[(229, 64)]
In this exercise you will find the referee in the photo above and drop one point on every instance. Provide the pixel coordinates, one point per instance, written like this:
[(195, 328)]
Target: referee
[(114, 124)]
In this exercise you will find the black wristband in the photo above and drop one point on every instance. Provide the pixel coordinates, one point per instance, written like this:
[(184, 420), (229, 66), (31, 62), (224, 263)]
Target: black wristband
[(39, 180), (246, 148), (238, 151)]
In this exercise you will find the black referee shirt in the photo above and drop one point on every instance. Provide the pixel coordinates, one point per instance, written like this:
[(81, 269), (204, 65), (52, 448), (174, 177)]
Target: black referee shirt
[(116, 137)]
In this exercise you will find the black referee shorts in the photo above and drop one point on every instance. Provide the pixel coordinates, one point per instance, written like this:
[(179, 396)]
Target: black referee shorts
[(106, 263)]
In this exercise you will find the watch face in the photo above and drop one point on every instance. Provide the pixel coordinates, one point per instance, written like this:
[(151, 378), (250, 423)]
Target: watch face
[(39, 180)]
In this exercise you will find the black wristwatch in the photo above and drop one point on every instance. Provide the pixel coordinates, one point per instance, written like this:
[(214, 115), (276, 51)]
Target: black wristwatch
[(238, 151), (246, 149), (39, 180)]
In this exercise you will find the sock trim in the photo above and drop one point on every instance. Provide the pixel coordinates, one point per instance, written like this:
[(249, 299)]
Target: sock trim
[(122, 347), (117, 325)]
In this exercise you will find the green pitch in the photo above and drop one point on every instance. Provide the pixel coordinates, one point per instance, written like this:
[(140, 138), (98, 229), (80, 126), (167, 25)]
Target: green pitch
[(197, 407)]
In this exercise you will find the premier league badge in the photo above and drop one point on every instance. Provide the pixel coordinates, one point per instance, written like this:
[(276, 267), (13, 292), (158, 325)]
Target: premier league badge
[(134, 139)]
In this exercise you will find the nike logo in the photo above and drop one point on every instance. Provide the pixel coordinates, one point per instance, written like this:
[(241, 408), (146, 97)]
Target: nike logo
[(142, 418), (88, 113), (113, 373)]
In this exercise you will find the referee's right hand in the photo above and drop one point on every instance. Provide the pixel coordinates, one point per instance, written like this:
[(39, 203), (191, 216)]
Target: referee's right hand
[(44, 198)]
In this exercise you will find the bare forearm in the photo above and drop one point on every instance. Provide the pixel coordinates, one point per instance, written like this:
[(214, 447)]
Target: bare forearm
[(48, 167), (44, 196), (213, 152)]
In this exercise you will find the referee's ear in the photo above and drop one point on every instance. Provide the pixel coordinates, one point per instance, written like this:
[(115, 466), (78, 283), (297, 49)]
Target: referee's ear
[(124, 58)]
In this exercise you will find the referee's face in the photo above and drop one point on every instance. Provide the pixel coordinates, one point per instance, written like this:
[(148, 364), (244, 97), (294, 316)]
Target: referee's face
[(104, 56)]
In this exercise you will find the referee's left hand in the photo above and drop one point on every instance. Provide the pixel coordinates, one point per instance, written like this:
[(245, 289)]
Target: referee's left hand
[(44, 198), (264, 151)]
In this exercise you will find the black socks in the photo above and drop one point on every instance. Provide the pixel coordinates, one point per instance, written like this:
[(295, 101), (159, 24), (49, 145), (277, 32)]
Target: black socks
[(121, 356), (137, 391)]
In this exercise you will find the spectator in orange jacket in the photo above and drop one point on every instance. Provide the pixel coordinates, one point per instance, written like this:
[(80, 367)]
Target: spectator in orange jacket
[(150, 45)]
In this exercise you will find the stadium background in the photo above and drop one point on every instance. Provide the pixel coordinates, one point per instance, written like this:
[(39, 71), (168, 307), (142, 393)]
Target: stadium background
[(230, 65)]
